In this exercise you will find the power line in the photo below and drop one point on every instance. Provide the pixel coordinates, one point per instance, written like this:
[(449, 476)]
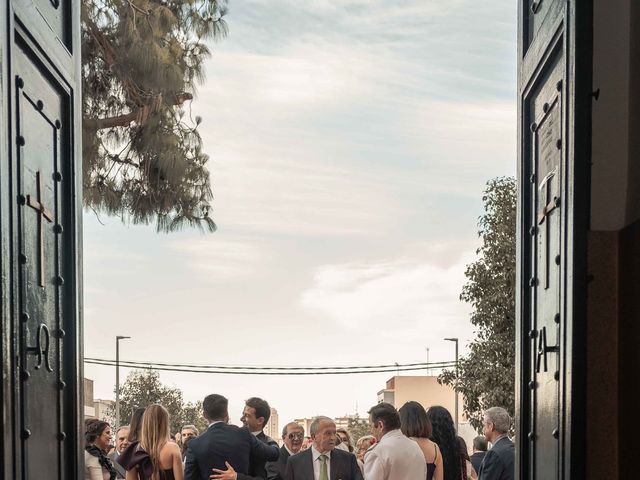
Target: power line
[(256, 370), (253, 367)]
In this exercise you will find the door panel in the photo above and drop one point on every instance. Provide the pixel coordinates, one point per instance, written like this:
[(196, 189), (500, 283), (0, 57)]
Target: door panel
[(41, 239), (553, 74), (39, 185), (545, 206)]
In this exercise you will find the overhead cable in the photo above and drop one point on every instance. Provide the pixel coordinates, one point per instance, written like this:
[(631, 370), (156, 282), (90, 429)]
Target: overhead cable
[(257, 370)]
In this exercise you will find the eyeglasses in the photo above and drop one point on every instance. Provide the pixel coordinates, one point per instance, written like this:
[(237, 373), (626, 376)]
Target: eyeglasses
[(295, 435)]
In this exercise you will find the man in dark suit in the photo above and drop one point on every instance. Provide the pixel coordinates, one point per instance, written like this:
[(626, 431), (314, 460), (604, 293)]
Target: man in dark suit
[(223, 444), (479, 451), (498, 463), (255, 416), (292, 436), (322, 461)]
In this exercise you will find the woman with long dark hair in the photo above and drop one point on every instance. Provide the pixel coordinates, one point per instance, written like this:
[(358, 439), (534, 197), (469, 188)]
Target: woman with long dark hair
[(466, 468), (415, 424), (97, 465), (444, 434), (135, 425)]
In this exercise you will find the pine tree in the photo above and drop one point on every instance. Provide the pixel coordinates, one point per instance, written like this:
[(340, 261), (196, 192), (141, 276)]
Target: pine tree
[(486, 375), (143, 158)]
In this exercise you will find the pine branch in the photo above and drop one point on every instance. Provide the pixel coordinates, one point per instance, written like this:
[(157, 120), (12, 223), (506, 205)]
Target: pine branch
[(139, 116)]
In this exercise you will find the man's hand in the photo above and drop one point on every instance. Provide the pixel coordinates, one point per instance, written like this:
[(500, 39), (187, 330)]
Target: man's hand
[(228, 474)]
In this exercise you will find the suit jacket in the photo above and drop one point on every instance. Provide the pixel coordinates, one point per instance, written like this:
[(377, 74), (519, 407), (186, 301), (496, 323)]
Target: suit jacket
[(276, 470), (499, 462), (342, 466), (222, 442), (476, 460), (113, 455), (256, 463)]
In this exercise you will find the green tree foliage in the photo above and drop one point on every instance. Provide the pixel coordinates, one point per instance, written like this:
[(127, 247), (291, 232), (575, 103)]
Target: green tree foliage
[(358, 427), (142, 154), (487, 373), (192, 415), (143, 388)]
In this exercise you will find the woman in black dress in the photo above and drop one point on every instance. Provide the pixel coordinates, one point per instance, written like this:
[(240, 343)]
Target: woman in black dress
[(415, 424), (154, 457)]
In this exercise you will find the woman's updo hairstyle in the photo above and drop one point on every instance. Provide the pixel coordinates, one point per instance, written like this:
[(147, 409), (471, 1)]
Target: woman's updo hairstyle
[(93, 429)]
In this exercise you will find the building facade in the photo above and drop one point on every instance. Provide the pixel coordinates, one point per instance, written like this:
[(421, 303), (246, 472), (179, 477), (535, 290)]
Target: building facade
[(427, 392), (272, 428)]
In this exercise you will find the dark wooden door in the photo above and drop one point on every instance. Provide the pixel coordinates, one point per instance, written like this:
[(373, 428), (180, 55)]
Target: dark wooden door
[(41, 205), (554, 99)]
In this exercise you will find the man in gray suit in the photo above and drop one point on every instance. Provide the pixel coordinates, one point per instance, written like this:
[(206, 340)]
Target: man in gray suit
[(121, 443), (498, 463), (322, 461)]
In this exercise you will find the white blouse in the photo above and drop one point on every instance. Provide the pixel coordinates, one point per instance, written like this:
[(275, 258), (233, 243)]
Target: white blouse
[(92, 468)]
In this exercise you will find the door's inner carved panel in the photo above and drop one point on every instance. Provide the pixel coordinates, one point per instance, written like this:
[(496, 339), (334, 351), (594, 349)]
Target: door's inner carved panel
[(545, 200), (46, 407)]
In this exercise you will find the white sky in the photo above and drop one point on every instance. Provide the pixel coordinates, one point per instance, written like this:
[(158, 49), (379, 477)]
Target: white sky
[(350, 142)]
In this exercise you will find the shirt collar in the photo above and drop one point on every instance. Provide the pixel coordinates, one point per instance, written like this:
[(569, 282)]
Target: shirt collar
[(214, 422), (287, 448), (255, 434), (315, 453), (390, 434)]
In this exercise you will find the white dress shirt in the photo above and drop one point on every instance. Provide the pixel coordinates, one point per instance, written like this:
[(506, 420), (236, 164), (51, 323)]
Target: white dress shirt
[(395, 457), (315, 455)]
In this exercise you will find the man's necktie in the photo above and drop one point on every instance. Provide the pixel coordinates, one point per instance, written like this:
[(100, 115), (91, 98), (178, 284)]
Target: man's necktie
[(323, 467)]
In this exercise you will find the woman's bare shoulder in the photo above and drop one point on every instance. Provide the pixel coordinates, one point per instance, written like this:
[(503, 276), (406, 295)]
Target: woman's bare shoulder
[(171, 447)]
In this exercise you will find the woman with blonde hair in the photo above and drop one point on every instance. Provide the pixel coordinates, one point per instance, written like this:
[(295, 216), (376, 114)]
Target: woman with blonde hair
[(362, 445), (154, 457)]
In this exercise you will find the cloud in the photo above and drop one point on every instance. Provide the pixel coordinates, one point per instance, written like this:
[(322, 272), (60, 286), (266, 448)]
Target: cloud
[(217, 259), (398, 294), (343, 118)]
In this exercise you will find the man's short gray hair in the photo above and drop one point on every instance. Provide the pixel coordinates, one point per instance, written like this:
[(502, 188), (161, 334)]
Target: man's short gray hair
[(190, 427), (286, 427), (499, 417), (315, 425)]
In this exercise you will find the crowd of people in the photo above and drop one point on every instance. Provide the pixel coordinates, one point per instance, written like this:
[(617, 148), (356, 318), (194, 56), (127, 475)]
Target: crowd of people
[(410, 443)]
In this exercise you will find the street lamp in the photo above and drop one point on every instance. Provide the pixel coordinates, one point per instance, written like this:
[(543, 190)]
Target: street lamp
[(118, 338), (455, 389)]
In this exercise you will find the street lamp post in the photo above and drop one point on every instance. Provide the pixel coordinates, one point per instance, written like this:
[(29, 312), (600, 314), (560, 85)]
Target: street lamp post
[(118, 338), (455, 389)]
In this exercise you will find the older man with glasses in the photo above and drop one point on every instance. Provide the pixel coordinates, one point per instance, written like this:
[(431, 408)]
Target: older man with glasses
[(292, 437)]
